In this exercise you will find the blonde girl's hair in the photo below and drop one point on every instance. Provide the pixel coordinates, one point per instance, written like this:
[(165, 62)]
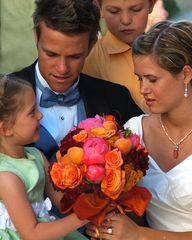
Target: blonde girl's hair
[(11, 97)]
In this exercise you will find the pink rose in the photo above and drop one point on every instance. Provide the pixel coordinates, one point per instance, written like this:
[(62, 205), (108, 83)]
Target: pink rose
[(135, 139), (89, 123), (94, 151), (95, 173)]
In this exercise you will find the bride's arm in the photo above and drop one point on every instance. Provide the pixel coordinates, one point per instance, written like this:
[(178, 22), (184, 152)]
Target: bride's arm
[(124, 228)]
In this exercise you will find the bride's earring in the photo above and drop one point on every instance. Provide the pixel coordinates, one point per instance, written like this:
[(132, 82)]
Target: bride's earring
[(186, 91)]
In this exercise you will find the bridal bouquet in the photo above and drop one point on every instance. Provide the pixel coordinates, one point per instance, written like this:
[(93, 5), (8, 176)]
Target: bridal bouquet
[(99, 163)]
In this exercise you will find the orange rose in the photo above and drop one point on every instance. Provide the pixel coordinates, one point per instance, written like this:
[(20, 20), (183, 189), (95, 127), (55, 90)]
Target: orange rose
[(68, 176), (109, 125), (113, 159), (132, 177), (109, 118), (113, 183), (112, 140), (101, 132), (56, 174), (128, 168), (65, 160), (81, 136)]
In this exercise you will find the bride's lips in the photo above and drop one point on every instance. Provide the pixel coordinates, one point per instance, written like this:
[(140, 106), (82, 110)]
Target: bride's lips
[(149, 101)]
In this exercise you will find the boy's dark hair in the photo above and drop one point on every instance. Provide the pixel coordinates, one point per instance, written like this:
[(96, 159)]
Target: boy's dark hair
[(70, 17)]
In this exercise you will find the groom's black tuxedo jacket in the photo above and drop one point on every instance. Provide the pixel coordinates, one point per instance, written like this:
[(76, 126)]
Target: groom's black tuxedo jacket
[(99, 96)]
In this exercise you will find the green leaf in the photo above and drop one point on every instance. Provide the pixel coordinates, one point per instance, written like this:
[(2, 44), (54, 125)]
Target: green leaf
[(127, 132)]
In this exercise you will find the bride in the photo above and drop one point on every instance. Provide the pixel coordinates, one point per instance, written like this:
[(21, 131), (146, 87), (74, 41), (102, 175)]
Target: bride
[(163, 63)]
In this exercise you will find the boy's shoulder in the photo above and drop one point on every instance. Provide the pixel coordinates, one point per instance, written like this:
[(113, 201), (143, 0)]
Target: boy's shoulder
[(111, 44)]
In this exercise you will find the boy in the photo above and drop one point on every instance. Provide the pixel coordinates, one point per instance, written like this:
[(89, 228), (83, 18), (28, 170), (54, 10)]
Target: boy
[(111, 57)]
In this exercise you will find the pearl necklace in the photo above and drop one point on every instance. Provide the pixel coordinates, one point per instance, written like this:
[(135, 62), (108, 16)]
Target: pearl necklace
[(176, 144)]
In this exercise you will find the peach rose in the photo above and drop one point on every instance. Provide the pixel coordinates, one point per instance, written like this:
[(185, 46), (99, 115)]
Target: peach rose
[(124, 145), (68, 176), (113, 183), (76, 155), (113, 159)]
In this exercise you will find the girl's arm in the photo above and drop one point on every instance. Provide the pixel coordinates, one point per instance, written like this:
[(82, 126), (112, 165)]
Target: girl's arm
[(13, 195)]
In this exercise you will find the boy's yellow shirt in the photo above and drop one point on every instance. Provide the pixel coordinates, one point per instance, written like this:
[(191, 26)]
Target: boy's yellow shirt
[(111, 59)]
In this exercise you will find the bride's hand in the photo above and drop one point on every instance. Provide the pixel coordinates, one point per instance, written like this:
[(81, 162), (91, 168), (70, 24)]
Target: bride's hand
[(116, 227)]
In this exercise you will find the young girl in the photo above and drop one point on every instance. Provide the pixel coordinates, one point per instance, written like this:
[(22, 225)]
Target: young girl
[(111, 57), (24, 171)]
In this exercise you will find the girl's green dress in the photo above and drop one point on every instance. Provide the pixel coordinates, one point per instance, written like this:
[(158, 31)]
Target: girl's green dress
[(31, 171)]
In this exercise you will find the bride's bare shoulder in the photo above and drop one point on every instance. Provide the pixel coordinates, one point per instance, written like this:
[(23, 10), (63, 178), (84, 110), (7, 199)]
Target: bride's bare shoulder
[(151, 121)]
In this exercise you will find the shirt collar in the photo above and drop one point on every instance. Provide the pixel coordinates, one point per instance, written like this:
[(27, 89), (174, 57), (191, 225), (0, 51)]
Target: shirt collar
[(114, 45)]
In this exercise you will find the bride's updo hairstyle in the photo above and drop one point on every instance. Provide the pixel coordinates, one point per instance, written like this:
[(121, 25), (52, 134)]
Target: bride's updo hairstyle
[(169, 43)]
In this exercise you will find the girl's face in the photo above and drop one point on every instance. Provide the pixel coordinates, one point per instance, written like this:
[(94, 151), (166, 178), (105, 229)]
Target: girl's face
[(25, 128), (163, 91), (126, 19)]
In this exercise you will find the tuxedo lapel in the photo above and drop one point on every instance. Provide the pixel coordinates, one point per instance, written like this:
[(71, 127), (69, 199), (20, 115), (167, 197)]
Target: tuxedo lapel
[(93, 103)]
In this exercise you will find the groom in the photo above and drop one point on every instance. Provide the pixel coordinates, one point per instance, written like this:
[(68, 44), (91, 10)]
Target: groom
[(65, 31)]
